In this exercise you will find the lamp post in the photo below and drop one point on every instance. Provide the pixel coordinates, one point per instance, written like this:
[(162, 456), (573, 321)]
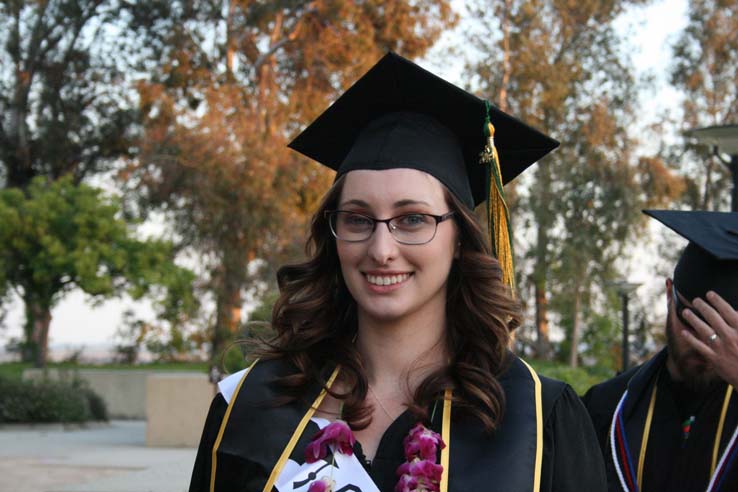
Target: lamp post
[(624, 289), (724, 140)]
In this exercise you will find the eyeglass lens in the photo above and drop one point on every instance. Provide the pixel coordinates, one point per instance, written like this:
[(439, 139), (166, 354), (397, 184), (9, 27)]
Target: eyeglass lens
[(409, 228)]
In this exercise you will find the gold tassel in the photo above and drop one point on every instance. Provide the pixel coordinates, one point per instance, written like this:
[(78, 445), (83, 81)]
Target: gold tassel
[(498, 216)]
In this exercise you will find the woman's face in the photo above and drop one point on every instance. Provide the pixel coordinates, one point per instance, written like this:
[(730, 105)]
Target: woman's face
[(390, 280)]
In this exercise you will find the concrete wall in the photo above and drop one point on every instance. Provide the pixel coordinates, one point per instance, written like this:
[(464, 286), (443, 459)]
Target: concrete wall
[(173, 404), (176, 407), (124, 392)]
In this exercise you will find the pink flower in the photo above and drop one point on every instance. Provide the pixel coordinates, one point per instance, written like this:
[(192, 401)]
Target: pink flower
[(422, 442), (406, 483), (409, 483), (421, 469), (325, 484), (336, 433)]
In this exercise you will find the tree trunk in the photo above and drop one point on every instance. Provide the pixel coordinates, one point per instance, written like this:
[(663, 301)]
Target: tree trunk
[(544, 218), (38, 320), (707, 192), (575, 329), (230, 42), (502, 93), (542, 345), (228, 314)]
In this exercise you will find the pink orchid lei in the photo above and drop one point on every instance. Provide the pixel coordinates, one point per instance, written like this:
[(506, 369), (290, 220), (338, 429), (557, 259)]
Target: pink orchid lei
[(336, 434), (420, 473)]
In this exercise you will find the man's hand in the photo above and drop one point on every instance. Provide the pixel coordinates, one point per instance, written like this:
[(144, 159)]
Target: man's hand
[(718, 340)]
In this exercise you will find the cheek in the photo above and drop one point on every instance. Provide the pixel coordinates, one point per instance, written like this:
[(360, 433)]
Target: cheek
[(348, 254)]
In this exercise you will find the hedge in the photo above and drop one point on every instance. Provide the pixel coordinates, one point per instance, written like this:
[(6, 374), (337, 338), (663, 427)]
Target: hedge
[(49, 401)]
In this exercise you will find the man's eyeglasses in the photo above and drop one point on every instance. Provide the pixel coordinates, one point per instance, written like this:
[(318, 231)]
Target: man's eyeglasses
[(406, 229), (680, 306)]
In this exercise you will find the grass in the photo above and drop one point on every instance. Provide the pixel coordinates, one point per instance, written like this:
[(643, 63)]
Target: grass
[(15, 370), (581, 379)]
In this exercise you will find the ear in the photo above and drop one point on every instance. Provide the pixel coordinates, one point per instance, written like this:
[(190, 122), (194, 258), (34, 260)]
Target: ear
[(457, 250), (667, 291)]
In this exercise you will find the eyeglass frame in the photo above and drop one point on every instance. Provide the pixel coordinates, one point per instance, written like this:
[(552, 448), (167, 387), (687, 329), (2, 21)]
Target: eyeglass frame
[(438, 218), (680, 306)]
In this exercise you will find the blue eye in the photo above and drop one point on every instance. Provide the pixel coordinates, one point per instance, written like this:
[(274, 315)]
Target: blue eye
[(412, 221), (356, 220)]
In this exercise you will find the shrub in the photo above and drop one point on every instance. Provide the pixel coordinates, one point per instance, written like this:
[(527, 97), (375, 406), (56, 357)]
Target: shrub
[(48, 401), (579, 378), (98, 408)]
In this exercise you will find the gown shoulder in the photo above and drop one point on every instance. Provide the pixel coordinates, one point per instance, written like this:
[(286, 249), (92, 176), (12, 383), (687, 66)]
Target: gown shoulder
[(571, 456)]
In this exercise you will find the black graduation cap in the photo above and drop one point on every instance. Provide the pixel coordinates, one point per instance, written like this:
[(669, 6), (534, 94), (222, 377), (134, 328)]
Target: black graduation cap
[(400, 115), (710, 260)]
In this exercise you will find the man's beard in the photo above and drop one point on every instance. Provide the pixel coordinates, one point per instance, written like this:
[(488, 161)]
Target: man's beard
[(694, 370)]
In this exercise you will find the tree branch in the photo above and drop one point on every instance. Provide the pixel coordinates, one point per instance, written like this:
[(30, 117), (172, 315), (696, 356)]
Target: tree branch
[(291, 36)]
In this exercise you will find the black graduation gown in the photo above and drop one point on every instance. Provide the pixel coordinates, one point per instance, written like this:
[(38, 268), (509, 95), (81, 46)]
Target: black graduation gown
[(674, 461), (571, 460)]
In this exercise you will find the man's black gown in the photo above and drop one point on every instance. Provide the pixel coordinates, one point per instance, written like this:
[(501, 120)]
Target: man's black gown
[(571, 458), (675, 460)]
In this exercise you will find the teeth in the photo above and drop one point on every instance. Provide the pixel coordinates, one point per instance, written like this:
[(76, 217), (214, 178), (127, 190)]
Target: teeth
[(388, 279)]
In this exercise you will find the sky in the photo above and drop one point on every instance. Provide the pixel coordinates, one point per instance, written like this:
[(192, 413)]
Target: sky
[(650, 30)]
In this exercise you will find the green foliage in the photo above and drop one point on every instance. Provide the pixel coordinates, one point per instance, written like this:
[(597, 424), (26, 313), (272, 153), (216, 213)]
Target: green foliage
[(581, 379), (263, 311), (48, 401), (13, 370), (236, 357), (59, 236)]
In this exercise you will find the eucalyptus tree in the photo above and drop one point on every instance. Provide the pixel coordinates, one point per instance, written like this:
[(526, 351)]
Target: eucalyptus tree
[(67, 102), (238, 79), (705, 70), (561, 67)]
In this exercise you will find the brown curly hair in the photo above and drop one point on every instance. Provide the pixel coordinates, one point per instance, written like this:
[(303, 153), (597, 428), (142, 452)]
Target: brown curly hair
[(316, 323)]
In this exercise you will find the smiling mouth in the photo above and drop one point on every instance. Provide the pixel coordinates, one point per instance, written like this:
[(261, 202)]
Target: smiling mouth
[(387, 279)]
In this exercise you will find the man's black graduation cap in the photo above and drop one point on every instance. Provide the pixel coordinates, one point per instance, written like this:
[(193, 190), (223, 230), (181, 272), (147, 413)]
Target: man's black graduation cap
[(400, 115), (710, 260)]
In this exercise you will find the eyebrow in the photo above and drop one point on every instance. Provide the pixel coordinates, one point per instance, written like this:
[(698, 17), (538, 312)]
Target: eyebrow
[(397, 204)]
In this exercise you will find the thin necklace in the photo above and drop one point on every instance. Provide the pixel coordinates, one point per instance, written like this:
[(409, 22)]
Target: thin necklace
[(380, 403)]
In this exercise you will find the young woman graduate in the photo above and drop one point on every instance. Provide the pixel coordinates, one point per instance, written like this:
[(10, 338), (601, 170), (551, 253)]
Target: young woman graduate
[(390, 368)]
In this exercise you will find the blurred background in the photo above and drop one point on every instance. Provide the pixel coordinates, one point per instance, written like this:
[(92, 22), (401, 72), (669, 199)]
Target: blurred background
[(147, 196)]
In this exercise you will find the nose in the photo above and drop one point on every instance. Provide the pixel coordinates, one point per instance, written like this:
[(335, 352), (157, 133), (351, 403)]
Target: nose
[(382, 247)]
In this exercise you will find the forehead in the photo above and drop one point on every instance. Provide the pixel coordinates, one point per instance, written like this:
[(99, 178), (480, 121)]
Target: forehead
[(386, 187)]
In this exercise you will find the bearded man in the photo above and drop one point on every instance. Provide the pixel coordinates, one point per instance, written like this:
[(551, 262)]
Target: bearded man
[(672, 423)]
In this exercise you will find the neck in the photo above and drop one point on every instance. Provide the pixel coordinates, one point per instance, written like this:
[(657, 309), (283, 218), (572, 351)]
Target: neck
[(673, 368), (402, 352)]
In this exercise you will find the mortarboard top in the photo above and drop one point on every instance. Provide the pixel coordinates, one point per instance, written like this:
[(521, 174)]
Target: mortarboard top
[(710, 260), (400, 115)]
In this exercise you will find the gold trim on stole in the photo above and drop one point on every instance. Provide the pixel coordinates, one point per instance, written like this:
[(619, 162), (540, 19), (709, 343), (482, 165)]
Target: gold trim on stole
[(539, 428), (298, 432), (721, 424), (213, 461), (446, 436), (644, 440)]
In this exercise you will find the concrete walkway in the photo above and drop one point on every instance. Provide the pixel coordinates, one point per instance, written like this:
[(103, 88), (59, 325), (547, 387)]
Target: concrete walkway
[(103, 458)]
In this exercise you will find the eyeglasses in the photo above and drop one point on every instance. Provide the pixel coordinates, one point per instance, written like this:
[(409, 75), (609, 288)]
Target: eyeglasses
[(406, 229), (680, 306)]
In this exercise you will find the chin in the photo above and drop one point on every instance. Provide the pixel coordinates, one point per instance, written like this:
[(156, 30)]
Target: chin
[(697, 373), (385, 314)]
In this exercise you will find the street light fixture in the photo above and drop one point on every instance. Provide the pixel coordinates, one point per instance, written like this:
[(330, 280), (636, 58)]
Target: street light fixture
[(724, 140), (624, 289)]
